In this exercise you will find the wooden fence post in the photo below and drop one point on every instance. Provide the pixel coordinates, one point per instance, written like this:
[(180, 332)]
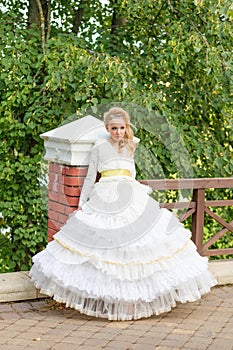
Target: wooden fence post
[(198, 218)]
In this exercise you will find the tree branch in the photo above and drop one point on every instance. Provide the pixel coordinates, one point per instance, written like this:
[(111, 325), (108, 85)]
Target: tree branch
[(42, 25), (48, 21), (176, 10), (116, 21), (78, 16)]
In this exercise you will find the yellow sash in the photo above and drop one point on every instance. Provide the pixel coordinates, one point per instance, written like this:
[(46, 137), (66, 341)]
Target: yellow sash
[(115, 172)]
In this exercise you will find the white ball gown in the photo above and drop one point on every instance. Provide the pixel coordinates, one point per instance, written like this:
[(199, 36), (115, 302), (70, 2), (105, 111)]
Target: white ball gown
[(121, 257)]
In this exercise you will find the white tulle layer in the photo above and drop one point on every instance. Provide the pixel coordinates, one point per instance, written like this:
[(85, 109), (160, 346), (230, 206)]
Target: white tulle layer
[(122, 264), (114, 294)]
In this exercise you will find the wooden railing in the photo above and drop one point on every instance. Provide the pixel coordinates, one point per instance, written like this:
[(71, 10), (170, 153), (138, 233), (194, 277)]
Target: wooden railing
[(198, 208)]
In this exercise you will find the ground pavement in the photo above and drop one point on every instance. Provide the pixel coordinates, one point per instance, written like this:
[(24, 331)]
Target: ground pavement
[(44, 324)]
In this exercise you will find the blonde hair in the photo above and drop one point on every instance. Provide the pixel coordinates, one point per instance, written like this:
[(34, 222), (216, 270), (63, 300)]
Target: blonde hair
[(117, 112)]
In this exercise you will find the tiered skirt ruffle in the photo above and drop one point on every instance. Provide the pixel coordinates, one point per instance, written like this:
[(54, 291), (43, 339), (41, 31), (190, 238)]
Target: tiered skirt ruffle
[(123, 265)]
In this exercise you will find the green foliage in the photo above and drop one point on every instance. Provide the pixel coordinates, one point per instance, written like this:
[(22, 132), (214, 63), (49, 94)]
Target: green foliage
[(168, 63)]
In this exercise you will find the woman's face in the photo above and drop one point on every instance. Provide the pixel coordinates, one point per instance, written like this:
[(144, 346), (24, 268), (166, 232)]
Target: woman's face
[(116, 129)]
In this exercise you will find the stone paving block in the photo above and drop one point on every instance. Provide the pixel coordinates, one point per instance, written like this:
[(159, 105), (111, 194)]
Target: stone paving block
[(86, 328), (143, 327), (17, 328), (67, 346), (132, 332), (40, 345), (98, 342), (99, 323), (120, 325), (25, 321), (90, 347), (82, 347), (39, 330), (155, 331), (67, 326), (5, 308), (106, 336), (172, 343), (8, 334), (190, 346), (16, 347), (115, 344), (39, 305), (127, 338), (22, 307), (20, 341), (39, 341), (176, 339), (148, 340), (7, 322), (197, 344), (9, 316), (56, 329), (82, 334), (188, 326), (205, 333), (4, 339), (169, 324), (166, 348), (227, 335), (3, 326), (52, 334), (182, 331), (142, 347), (49, 336), (215, 328), (69, 339), (225, 344)]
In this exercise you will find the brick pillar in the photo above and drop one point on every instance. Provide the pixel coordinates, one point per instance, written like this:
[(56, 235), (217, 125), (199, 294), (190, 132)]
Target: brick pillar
[(65, 183), (68, 151)]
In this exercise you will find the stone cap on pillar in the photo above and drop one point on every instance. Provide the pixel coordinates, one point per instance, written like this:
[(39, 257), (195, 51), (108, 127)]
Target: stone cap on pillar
[(71, 143)]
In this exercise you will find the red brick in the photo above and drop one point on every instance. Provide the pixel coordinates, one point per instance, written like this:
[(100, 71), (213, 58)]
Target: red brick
[(54, 196), (62, 218), (73, 181), (83, 171), (56, 187), (62, 199), (56, 167), (65, 183), (55, 206), (51, 232), (70, 210), (74, 171), (73, 191), (52, 215), (68, 200), (54, 225), (72, 201), (56, 178)]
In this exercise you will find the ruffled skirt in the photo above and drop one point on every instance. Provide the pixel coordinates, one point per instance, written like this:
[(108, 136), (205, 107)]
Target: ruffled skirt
[(122, 257)]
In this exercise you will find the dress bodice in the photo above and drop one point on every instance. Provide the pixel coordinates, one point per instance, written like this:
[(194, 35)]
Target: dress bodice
[(110, 159), (105, 157)]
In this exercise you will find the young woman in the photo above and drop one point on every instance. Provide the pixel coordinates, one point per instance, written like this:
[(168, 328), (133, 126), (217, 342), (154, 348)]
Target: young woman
[(120, 256)]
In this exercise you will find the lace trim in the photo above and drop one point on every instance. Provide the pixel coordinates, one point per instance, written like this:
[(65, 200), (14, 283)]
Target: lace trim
[(165, 257)]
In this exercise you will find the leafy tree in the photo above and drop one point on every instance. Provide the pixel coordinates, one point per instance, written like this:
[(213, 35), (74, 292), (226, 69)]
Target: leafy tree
[(168, 62)]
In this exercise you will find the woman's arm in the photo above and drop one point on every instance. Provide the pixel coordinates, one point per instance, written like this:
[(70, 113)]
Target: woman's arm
[(90, 178)]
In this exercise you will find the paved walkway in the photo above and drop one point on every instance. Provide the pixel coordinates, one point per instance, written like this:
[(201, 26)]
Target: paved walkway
[(206, 324)]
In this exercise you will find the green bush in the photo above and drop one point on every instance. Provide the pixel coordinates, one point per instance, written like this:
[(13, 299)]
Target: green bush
[(170, 66)]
